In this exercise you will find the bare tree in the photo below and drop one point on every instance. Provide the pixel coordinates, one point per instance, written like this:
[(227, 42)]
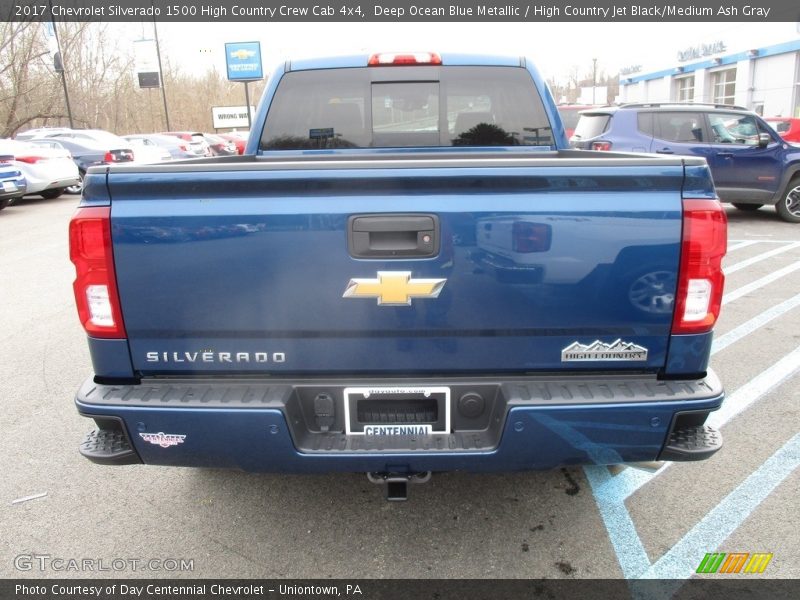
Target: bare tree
[(28, 88), (100, 77)]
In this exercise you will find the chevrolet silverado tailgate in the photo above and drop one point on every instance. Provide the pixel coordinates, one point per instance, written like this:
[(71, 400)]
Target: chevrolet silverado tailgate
[(387, 264)]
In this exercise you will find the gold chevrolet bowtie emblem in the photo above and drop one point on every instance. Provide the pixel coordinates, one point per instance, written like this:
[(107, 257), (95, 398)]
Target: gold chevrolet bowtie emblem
[(394, 288)]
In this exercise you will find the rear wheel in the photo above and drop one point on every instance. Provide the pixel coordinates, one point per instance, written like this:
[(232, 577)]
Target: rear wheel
[(75, 189), (741, 206), (788, 206), (3, 203), (52, 194)]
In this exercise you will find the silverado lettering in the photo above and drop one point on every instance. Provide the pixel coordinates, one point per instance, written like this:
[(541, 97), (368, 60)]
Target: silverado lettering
[(210, 357)]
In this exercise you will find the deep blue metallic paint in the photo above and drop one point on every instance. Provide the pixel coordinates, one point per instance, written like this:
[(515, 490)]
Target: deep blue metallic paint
[(688, 354), (247, 261), (698, 183), (111, 358), (533, 438), (95, 189)]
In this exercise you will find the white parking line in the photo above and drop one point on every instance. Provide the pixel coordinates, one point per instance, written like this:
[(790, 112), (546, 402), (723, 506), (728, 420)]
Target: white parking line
[(684, 557), (628, 481), (748, 327), (610, 492), (763, 241), (758, 258), (756, 388), (739, 245), (759, 283)]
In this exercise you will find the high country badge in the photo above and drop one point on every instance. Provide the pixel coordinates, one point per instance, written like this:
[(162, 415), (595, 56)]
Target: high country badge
[(600, 351)]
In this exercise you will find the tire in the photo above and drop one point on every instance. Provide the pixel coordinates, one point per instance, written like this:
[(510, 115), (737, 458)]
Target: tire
[(3, 203), (75, 189), (788, 206), (747, 207), (52, 193)]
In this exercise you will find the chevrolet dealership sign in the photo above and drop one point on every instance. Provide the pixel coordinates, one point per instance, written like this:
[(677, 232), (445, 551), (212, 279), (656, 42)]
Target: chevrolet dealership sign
[(243, 61)]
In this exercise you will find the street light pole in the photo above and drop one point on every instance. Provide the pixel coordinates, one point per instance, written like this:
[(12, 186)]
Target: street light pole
[(161, 72), (247, 105)]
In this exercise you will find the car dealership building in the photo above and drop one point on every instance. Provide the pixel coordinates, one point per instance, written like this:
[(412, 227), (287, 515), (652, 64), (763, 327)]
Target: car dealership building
[(765, 79)]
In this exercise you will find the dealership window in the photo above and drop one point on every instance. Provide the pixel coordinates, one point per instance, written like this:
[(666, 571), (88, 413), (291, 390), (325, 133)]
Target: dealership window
[(684, 89), (724, 86)]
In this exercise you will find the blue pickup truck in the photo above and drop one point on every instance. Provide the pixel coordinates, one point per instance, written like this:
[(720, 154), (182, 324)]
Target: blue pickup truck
[(407, 272)]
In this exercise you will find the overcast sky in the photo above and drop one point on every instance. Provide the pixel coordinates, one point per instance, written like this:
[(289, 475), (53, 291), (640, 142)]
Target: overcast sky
[(554, 47)]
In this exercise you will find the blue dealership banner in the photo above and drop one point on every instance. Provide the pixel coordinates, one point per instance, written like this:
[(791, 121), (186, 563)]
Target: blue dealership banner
[(243, 60)]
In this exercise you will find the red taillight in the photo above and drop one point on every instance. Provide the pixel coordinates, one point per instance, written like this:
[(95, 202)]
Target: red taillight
[(529, 237), (700, 280), (108, 157), (386, 59), (605, 146), (183, 147), (31, 160), (95, 282)]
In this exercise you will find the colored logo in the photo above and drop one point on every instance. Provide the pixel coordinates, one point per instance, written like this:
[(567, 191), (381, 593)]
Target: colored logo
[(394, 288), (242, 54), (165, 440), (243, 61), (734, 562)]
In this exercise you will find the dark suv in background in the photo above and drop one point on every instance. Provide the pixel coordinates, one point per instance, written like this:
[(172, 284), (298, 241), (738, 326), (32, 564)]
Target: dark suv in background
[(751, 164)]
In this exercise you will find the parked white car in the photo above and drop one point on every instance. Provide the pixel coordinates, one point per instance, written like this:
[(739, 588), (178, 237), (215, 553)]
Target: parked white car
[(145, 151), (48, 171), (40, 132)]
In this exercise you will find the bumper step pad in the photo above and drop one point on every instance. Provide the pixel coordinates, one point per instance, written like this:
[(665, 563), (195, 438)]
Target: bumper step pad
[(109, 447), (696, 442)]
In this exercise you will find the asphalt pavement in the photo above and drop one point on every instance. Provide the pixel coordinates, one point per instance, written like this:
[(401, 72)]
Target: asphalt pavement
[(596, 522)]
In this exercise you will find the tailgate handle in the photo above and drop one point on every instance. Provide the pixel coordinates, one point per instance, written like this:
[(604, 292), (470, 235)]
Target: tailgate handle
[(393, 236)]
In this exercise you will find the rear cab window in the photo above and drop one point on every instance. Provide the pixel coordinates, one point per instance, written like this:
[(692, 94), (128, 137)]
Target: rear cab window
[(394, 107), (591, 125)]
